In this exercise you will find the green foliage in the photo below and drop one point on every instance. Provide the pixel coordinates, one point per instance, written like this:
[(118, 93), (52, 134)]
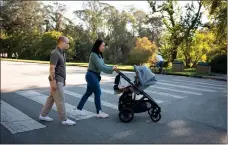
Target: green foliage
[(47, 44), (138, 56), (198, 48), (180, 27), (219, 64), (218, 14), (142, 52)]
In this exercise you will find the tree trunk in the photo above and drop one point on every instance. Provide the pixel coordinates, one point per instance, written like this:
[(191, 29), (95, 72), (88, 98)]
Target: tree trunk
[(174, 53)]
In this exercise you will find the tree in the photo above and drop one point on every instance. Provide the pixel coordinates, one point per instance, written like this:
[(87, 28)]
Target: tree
[(21, 15), (188, 39), (21, 21), (47, 44), (165, 46), (218, 14), (218, 23), (200, 48), (143, 50), (93, 16), (172, 23), (54, 17), (120, 41)]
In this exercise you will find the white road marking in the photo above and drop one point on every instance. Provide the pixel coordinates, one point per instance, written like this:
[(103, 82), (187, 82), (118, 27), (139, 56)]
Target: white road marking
[(103, 103), (187, 87), (166, 94), (175, 90), (16, 121), (112, 93), (154, 92), (185, 84), (203, 83), (40, 98)]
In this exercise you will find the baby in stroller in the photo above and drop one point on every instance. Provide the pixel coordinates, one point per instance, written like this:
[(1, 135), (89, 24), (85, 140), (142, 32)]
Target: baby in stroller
[(128, 104)]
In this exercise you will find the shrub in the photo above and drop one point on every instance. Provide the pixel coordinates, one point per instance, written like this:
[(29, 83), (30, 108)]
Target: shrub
[(219, 64)]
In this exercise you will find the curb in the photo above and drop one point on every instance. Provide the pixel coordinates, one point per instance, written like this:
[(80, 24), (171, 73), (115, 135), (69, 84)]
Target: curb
[(215, 78)]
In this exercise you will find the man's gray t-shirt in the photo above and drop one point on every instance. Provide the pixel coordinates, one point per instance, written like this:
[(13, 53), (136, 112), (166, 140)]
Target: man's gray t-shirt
[(58, 59)]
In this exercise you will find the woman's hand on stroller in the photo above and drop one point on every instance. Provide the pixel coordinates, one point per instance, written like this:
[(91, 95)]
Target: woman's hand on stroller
[(115, 68)]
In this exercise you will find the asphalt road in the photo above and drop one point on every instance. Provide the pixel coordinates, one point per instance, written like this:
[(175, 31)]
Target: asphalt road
[(193, 110)]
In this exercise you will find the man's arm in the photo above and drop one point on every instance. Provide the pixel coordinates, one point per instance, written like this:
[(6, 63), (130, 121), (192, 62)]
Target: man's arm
[(53, 63), (52, 72)]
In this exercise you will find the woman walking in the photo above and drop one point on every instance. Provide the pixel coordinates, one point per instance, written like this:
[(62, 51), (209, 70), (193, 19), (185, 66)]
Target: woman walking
[(96, 66)]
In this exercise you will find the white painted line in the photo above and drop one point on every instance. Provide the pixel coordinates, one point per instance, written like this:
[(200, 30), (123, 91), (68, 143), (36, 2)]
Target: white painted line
[(166, 94), (203, 83), (16, 121), (156, 100), (185, 84), (154, 92), (187, 87), (175, 90), (103, 103), (40, 98), (112, 93)]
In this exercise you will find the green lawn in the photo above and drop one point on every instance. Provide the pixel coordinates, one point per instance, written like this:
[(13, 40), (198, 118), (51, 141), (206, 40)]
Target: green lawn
[(189, 72)]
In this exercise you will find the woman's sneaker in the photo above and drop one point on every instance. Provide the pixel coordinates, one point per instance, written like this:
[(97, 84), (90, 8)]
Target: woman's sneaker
[(80, 112), (68, 122), (46, 118), (102, 115)]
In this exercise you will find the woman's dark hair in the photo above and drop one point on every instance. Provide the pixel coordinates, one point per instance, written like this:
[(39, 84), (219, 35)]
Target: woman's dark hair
[(96, 46)]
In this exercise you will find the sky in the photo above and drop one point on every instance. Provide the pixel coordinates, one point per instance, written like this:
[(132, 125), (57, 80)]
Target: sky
[(120, 5)]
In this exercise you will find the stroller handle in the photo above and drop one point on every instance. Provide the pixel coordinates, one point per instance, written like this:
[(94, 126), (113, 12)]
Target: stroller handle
[(125, 77), (117, 71)]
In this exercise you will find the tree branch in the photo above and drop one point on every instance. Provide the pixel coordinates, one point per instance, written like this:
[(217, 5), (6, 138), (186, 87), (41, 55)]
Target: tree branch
[(194, 21)]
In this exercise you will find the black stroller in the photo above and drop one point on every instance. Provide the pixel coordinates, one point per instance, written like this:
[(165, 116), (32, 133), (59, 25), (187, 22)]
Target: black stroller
[(128, 104)]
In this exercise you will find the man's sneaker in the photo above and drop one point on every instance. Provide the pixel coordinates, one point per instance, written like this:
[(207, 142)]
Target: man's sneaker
[(80, 112), (46, 118), (68, 122), (102, 115)]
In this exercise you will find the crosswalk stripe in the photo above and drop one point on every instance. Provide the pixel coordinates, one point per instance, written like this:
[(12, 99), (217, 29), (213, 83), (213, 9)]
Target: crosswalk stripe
[(195, 82), (166, 94), (175, 90), (103, 103), (112, 93), (203, 86), (187, 87), (40, 98), (152, 92), (16, 121)]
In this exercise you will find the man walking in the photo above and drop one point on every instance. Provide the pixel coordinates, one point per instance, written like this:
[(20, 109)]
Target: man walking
[(57, 80), (160, 62)]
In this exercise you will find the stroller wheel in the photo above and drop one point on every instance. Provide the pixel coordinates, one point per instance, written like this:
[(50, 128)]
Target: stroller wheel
[(153, 110), (156, 117), (154, 114), (126, 115)]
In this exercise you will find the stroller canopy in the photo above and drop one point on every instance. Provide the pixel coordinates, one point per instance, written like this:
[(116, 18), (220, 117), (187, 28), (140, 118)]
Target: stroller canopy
[(145, 76)]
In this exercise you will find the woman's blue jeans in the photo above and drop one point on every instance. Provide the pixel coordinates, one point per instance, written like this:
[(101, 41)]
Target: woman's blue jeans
[(93, 86)]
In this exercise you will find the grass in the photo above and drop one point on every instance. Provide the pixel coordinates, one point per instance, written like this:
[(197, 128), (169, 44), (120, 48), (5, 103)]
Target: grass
[(187, 72), (190, 72)]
